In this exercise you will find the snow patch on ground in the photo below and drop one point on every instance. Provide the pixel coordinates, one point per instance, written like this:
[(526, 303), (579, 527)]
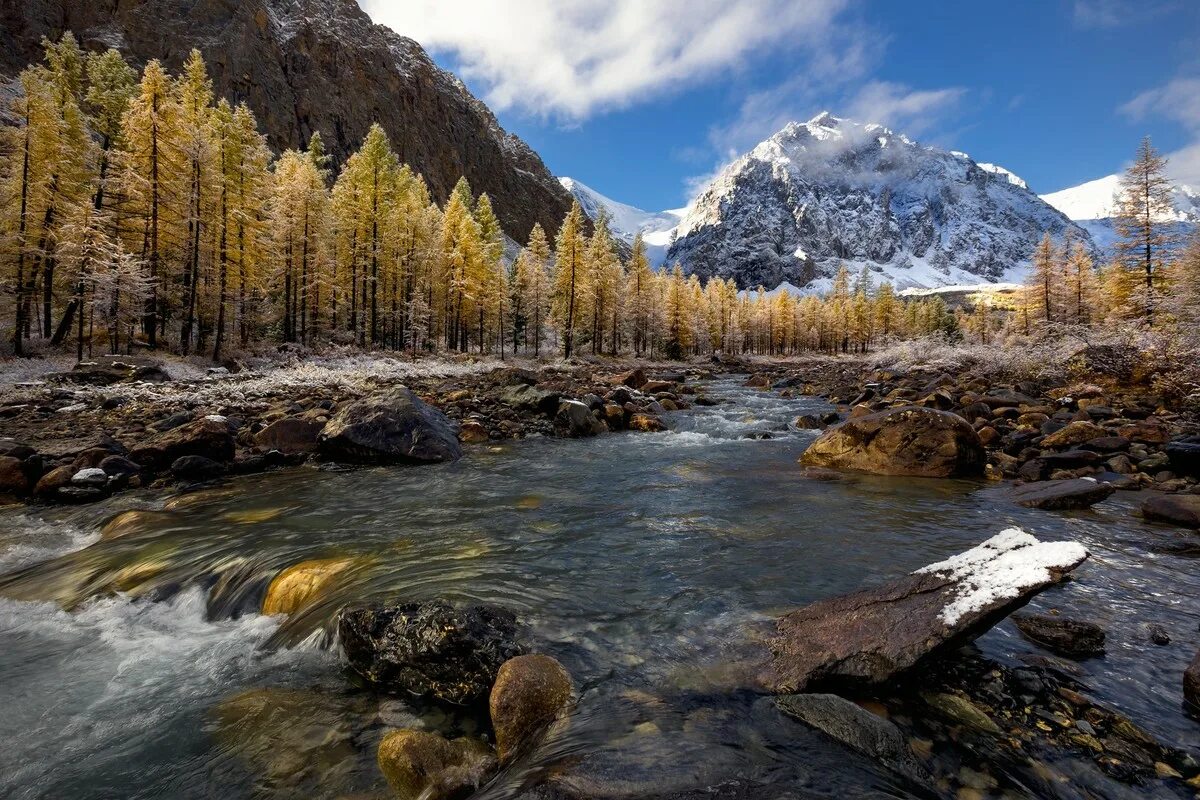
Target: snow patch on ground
[(1002, 569)]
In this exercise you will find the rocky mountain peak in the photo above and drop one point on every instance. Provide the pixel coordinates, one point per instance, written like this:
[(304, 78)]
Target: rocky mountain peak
[(830, 191)]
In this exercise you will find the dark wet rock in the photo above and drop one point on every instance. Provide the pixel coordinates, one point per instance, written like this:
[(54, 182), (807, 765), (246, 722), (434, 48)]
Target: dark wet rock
[(870, 636), (425, 766), (960, 710), (75, 494), (575, 419), (904, 441), (524, 397), (856, 728), (209, 437), (1174, 509), (1191, 683), (120, 467), (196, 468), (1185, 457), (1158, 634), (172, 421), (529, 694), (390, 427), (1107, 444), (429, 649), (759, 380), (1071, 458), (1066, 637), (289, 435), (1064, 494), (13, 480)]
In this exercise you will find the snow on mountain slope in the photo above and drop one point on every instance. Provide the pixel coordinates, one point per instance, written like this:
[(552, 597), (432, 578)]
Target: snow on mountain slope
[(1093, 206), (626, 221), (830, 191)]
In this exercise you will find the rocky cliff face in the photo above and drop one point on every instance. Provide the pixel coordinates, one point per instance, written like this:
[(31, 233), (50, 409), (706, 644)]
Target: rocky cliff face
[(830, 191), (314, 65)]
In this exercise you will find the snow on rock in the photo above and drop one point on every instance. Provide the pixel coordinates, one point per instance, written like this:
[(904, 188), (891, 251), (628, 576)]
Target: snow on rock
[(873, 635), (1001, 569), (830, 191)]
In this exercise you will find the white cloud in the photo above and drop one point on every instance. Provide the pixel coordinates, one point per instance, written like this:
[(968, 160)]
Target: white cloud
[(1177, 100), (1101, 13), (574, 58)]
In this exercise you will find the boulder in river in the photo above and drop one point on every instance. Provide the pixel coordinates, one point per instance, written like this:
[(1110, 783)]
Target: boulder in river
[(1191, 683), (530, 693), (856, 728), (870, 636), (390, 427), (430, 649), (910, 440), (299, 584), (1062, 635), (418, 764), (1174, 509), (1185, 456), (13, 480), (1061, 495), (575, 419), (289, 435), (208, 436)]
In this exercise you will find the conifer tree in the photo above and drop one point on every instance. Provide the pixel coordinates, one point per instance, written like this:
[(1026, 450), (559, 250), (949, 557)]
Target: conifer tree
[(1145, 199), (533, 284), (569, 275)]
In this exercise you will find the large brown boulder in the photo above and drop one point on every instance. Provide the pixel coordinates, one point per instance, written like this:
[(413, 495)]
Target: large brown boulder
[(1174, 509), (914, 441), (390, 427), (870, 636), (13, 480), (529, 694), (208, 436)]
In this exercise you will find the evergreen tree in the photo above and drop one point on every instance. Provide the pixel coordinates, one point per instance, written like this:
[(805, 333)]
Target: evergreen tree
[(1145, 199)]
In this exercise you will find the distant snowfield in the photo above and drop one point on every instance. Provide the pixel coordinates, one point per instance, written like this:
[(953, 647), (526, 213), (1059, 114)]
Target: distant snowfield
[(626, 221), (1093, 206)]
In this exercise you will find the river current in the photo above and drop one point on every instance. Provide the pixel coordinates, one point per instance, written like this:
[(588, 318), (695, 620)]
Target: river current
[(639, 560)]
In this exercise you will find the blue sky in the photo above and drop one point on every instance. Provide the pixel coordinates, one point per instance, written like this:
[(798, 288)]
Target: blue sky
[(644, 99)]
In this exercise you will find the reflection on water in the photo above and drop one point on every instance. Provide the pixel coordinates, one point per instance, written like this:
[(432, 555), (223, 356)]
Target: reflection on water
[(638, 560)]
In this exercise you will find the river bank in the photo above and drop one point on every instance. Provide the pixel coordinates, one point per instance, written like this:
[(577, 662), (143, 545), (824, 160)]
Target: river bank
[(638, 562)]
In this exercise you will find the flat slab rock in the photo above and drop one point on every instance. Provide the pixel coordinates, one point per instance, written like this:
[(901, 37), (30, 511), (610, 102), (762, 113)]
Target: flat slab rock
[(871, 636), (1061, 495)]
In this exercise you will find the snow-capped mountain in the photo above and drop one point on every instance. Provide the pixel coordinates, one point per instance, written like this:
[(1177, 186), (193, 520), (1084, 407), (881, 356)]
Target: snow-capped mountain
[(1093, 205), (626, 221), (830, 191)]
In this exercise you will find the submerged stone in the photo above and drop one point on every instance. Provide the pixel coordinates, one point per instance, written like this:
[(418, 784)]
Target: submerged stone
[(299, 584), (427, 766)]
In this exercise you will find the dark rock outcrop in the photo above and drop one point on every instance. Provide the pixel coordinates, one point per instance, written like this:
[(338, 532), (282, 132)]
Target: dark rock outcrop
[(307, 66), (1061, 495), (1174, 509), (1067, 637), (870, 636), (913, 441), (390, 427), (429, 649), (209, 437)]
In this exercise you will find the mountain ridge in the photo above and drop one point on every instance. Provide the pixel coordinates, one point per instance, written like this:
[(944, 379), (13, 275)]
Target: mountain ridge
[(830, 191), (305, 66)]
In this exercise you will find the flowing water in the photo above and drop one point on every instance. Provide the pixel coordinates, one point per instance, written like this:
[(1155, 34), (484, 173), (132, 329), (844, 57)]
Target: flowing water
[(641, 561)]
